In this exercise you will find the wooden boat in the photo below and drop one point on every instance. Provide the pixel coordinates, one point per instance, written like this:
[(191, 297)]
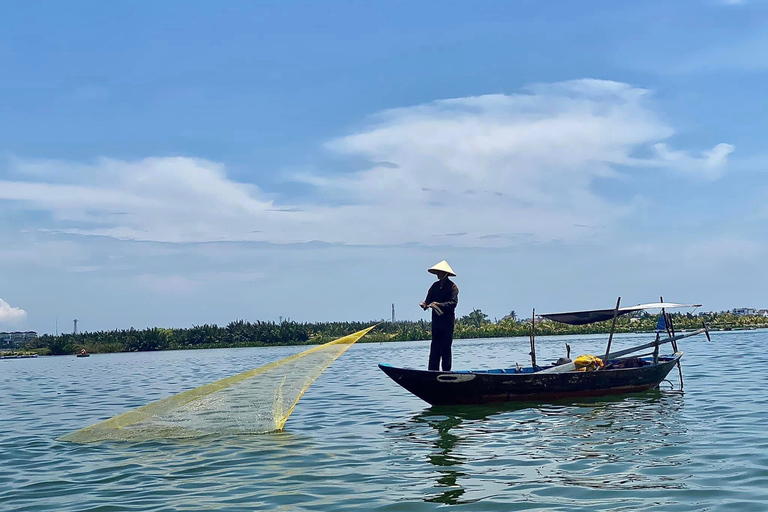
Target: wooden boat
[(619, 375), (524, 385)]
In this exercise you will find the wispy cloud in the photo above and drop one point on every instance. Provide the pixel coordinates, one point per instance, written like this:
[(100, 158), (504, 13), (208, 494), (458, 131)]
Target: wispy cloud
[(743, 55), (191, 281), (10, 314), (168, 284), (711, 165), (529, 159)]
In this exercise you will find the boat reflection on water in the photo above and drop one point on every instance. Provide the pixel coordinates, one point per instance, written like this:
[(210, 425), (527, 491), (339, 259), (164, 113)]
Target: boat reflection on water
[(478, 452)]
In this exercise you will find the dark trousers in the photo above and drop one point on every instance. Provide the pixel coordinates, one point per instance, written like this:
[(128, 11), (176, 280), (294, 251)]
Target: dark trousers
[(442, 337)]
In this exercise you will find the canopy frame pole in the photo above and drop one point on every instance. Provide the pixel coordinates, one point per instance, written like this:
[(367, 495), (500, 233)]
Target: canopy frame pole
[(638, 348), (569, 367), (671, 328), (668, 325), (613, 328), (656, 350), (680, 372), (533, 339)]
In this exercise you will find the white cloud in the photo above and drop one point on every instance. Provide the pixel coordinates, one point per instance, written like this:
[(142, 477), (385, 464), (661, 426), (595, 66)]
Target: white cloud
[(160, 199), (711, 165), (499, 168), (11, 314)]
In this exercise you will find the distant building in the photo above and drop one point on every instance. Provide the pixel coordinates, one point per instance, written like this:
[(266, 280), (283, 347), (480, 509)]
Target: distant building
[(744, 311), (762, 312), (16, 339)]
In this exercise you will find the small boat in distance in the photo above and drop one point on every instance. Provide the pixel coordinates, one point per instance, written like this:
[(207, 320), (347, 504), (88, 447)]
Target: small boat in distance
[(83, 353), (616, 373)]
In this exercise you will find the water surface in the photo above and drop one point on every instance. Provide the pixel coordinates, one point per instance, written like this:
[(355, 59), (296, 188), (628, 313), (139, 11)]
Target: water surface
[(357, 441)]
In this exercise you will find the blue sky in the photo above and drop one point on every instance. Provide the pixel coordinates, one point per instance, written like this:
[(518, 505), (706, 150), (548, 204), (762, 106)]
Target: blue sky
[(180, 163)]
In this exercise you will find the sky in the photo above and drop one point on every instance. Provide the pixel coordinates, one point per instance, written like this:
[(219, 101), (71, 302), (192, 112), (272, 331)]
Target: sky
[(180, 163)]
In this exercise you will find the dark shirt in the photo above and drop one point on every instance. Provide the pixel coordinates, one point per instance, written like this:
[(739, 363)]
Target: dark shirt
[(446, 294)]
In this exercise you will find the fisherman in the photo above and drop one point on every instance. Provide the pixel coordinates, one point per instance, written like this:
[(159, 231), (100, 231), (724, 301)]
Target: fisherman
[(442, 298)]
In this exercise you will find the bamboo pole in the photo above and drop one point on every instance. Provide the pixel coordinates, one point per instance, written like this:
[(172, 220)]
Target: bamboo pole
[(671, 331), (672, 328), (533, 338), (613, 328), (668, 325), (638, 348)]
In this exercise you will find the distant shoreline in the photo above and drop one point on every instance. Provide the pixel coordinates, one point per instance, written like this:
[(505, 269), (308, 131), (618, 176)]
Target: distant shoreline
[(241, 334)]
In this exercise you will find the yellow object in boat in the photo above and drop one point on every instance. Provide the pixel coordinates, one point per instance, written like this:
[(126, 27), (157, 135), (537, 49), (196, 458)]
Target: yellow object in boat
[(588, 363)]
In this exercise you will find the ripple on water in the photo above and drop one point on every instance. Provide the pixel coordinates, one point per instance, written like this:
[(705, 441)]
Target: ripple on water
[(359, 442)]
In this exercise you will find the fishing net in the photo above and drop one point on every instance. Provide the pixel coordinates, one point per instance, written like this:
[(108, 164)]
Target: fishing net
[(253, 402)]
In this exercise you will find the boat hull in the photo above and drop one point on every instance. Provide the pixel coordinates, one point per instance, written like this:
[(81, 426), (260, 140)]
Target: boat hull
[(498, 386)]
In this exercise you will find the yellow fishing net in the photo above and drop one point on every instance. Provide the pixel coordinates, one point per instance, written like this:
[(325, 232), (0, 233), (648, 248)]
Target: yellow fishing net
[(252, 402)]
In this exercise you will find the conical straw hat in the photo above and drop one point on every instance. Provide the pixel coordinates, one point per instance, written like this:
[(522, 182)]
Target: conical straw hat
[(443, 266)]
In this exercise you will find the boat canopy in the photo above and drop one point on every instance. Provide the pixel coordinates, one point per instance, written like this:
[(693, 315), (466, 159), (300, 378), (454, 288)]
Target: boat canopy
[(600, 315)]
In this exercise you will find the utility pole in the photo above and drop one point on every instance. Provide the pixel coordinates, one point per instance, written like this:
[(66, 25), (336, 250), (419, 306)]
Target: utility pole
[(74, 331), (57, 325)]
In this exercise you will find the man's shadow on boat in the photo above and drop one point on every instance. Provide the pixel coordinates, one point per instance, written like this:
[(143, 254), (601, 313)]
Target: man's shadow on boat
[(455, 425)]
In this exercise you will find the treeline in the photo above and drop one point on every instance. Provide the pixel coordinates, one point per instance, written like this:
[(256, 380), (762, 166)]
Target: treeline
[(259, 334), (236, 334), (478, 325)]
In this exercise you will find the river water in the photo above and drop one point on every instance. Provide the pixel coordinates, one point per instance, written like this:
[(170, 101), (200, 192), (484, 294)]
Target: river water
[(357, 441)]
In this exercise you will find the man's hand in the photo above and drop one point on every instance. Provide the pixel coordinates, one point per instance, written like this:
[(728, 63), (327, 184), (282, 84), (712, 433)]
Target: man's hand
[(423, 305), (436, 308)]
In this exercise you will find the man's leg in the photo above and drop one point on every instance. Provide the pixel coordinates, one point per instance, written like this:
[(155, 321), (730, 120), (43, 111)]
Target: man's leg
[(434, 352), (446, 342), (445, 353)]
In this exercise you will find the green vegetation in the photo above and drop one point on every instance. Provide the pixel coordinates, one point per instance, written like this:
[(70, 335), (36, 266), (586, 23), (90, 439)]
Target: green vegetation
[(260, 334), (18, 353)]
